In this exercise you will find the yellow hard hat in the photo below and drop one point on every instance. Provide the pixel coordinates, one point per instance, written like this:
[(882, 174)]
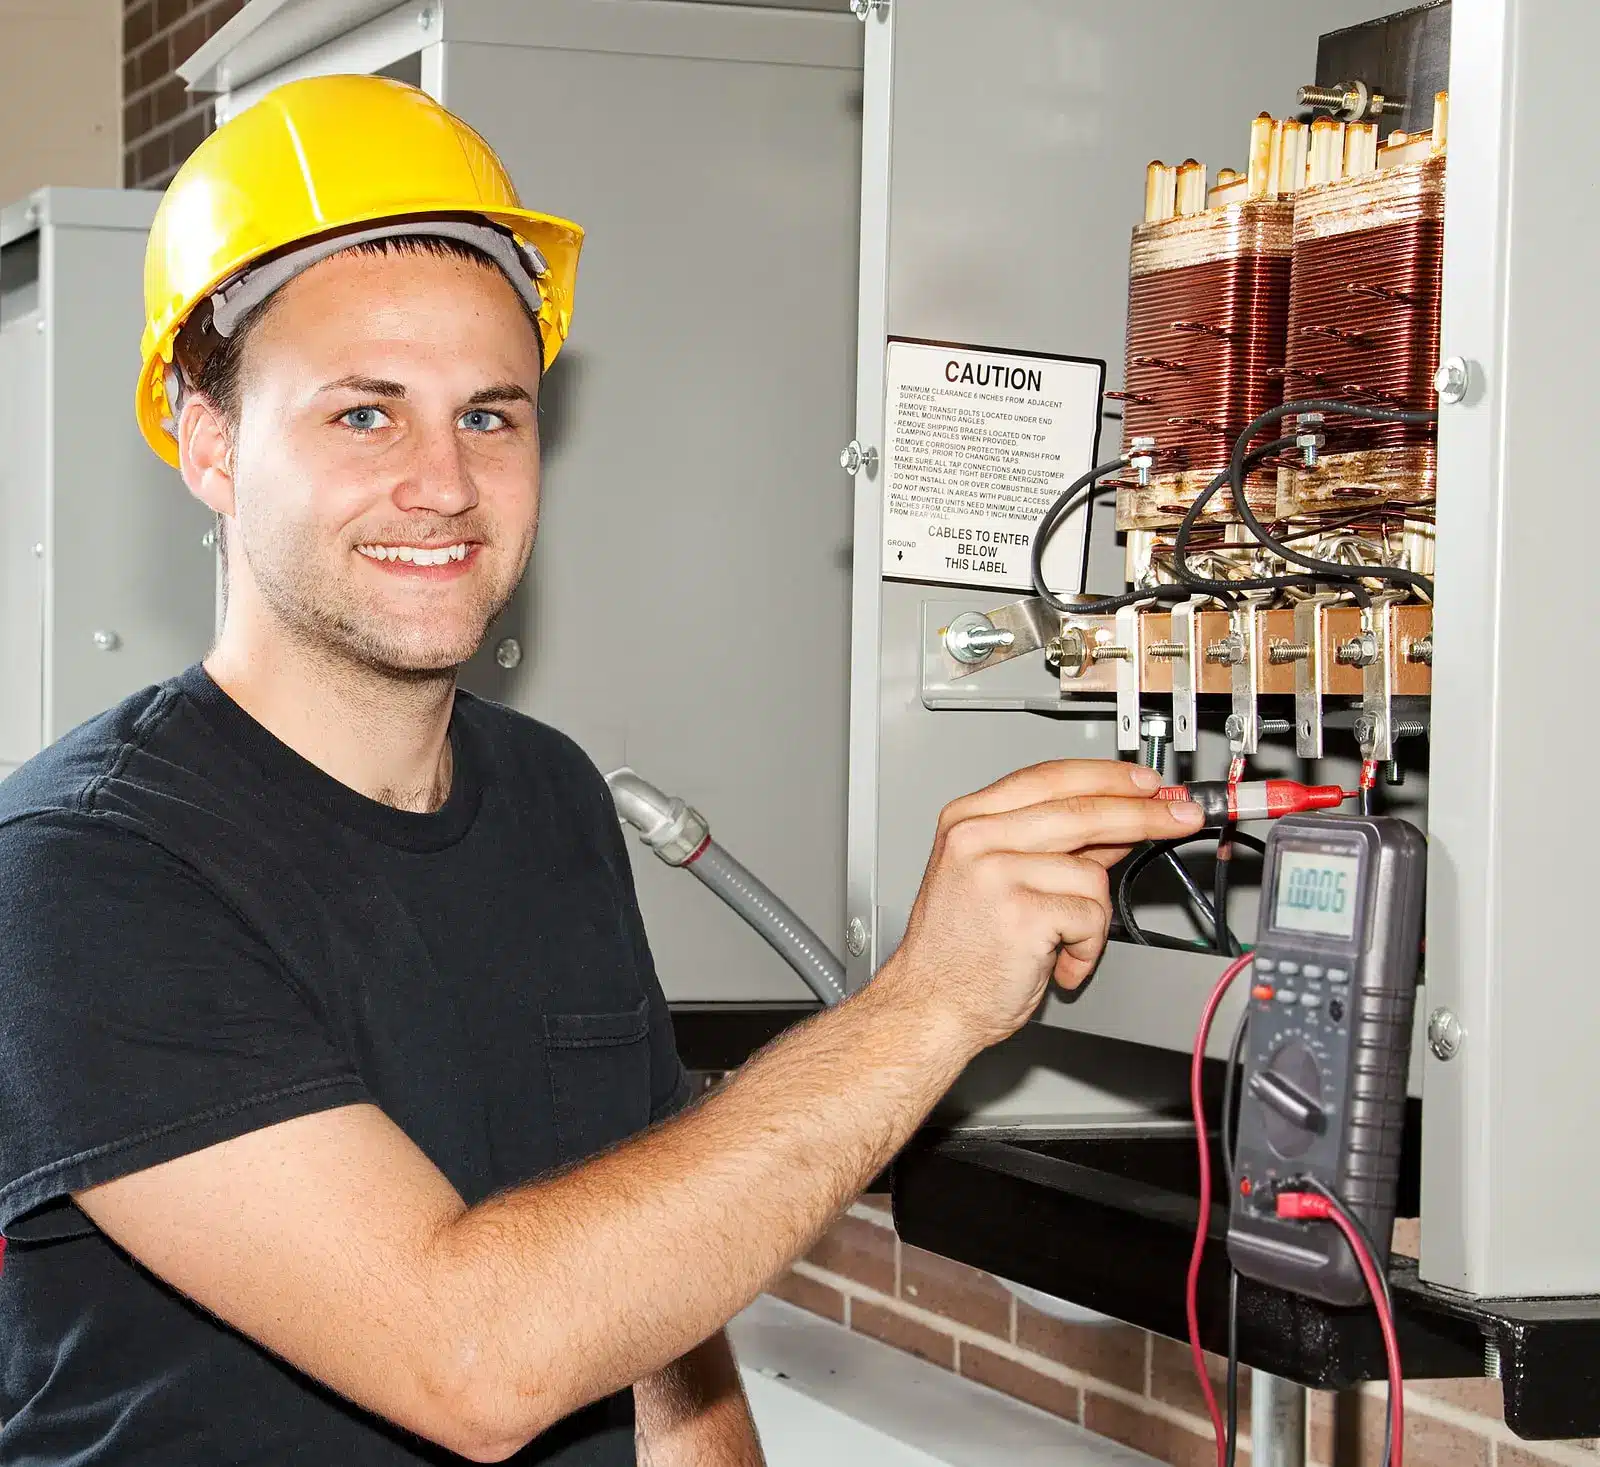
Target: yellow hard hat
[(314, 160)]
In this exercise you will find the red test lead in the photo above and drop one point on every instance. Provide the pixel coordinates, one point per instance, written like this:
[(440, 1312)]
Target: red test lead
[(1262, 799)]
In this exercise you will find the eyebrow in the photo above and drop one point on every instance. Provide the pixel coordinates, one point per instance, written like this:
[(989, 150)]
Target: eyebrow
[(384, 387)]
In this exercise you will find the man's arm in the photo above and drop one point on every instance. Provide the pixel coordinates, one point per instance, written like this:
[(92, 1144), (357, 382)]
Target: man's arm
[(694, 1413), (333, 1241)]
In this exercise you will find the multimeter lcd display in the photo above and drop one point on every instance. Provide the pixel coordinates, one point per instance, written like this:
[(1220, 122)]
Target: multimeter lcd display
[(1316, 893)]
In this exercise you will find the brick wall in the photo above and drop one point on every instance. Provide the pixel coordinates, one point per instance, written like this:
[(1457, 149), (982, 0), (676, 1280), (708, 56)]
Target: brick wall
[(161, 122), (1113, 1379)]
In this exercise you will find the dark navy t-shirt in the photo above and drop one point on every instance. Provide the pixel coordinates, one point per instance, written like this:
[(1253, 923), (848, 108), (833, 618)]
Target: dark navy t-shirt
[(201, 933)]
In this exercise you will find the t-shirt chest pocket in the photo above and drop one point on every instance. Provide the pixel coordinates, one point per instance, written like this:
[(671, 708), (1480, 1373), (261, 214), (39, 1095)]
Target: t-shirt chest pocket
[(599, 1077)]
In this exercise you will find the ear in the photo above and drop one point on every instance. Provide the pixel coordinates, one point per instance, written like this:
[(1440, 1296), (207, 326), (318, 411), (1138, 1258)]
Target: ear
[(205, 453)]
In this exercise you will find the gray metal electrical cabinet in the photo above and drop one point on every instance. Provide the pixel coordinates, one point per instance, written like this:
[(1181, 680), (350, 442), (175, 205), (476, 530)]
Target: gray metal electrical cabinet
[(1004, 153), (687, 609), (106, 579)]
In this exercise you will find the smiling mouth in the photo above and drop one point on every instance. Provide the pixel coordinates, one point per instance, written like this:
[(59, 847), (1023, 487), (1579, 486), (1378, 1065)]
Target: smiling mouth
[(417, 554)]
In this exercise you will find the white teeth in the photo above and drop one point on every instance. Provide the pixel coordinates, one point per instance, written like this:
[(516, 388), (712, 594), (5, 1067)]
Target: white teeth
[(415, 554)]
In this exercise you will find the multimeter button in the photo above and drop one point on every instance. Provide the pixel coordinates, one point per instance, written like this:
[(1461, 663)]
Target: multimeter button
[(1311, 970), (1288, 995), (1288, 969), (1335, 1010), (1311, 1000), (1338, 975), (1265, 965), (1262, 991)]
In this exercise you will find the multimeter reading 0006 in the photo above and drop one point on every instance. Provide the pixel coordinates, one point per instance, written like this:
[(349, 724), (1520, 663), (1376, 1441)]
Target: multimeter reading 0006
[(1328, 1048)]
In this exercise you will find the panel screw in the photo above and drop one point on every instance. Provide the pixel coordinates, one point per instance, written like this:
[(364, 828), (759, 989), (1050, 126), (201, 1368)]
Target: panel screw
[(865, 9), (39, 326), (1445, 1034), (508, 653), (107, 641), (1452, 379), (855, 937), (38, 550), (208, 541), (854, 458), (425, 19)]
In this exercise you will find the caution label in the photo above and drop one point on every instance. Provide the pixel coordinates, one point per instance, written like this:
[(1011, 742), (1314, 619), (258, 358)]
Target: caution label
[(977, 446)]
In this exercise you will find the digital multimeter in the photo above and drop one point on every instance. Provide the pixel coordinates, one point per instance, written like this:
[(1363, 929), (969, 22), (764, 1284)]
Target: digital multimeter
[(1328, 1049)]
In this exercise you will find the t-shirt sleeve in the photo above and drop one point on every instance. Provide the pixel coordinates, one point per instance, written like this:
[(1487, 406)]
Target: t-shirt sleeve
[(140, 1020)]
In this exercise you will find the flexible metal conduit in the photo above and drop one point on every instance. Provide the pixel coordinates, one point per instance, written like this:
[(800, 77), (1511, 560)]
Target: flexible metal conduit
[(680, 836)]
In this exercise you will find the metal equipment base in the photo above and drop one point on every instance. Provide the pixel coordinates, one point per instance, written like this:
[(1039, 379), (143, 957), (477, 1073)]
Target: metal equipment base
[(1106, 1220)]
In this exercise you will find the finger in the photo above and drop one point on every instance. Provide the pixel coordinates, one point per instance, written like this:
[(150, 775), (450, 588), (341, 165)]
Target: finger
[(1073, 824), (1057, 780), (1069, 899), (1077, 960), (1106, 856)]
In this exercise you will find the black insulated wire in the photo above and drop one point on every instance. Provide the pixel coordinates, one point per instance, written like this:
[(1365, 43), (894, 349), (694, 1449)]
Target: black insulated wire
[(1393, 574)]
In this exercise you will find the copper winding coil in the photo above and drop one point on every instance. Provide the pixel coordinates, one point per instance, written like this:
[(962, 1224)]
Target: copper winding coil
[(1364, 326), (1208, 308)]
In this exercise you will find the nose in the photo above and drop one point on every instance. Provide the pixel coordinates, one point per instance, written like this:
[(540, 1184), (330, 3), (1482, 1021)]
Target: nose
[(439, 478)]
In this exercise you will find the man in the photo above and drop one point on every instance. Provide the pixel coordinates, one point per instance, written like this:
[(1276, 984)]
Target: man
[(340, 1121)]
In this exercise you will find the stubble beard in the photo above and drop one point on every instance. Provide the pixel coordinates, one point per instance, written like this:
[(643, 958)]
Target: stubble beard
[(325, 615)]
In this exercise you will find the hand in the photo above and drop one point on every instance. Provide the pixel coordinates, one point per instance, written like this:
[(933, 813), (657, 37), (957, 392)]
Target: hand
[(1016, 888)]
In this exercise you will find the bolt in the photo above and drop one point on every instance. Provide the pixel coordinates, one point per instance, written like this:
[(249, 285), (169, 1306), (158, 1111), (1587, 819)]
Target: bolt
[(855, 937), (1229, 651), (971, 637), (1350, 101), (1142, 458), (1421, 650), (1155, 732), (1491, 1359), (1167, 651), (1393, 773), (1274, 726), (1114, 653), (1359, 651), (1280, 652), (854, 458), (1366, 730), (107, 641), (1409, 728), (1308, 437), (1234, 728), (1445, 1034), (1452, 379), (508, 653)]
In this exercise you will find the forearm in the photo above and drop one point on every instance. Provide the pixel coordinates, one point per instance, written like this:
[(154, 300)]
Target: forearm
[(581, 1285), (693, 1412)]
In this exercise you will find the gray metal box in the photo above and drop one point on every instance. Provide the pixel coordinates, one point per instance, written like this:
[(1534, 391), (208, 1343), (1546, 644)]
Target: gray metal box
[(687, 610), (106, 584)]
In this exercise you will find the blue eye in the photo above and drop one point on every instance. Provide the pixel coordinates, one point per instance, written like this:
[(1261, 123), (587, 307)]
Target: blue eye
[(481, 420), (364, 419)]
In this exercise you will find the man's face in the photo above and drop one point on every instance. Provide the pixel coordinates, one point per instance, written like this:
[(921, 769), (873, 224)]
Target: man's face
[(386, 468)]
